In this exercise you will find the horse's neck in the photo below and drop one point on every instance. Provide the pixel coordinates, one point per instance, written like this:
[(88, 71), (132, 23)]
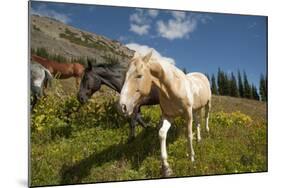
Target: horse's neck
[(161, 79), (111, 79)]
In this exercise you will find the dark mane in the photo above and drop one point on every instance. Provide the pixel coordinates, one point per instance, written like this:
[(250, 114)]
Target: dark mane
[(109, 66), (111, 74), (109, 69)]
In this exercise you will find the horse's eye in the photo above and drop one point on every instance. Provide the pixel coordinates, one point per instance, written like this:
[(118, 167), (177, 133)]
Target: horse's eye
[(139, 76)]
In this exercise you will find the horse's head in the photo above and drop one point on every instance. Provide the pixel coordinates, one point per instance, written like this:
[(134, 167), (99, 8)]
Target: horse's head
[(137, 84), (90, 83)]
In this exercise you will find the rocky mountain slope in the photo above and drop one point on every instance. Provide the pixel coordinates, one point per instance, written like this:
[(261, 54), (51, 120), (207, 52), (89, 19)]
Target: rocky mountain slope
[(72, 43)]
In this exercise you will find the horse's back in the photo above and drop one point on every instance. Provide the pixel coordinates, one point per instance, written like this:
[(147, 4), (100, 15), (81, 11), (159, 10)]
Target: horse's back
[(61, 70), (200, 88), (37, 71), (78, 69)]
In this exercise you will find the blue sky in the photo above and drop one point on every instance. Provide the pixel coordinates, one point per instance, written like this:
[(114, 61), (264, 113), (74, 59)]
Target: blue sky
[(200, 42)]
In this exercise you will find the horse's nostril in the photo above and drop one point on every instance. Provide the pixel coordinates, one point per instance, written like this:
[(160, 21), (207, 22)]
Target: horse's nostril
[(124, 108), (81, 99)]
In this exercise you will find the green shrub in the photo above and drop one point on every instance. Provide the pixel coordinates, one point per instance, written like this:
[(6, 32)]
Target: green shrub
[(89, 143), (229, 119)]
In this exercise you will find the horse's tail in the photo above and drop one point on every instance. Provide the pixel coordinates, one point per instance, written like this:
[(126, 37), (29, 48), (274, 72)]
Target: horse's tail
[(48, 78)]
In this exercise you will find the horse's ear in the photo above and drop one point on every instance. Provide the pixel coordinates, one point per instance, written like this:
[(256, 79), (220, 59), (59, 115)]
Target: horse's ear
[(90, 66), (147, 57)]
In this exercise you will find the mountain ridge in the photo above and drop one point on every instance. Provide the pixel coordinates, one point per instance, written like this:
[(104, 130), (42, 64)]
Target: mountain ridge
[(72, 43)]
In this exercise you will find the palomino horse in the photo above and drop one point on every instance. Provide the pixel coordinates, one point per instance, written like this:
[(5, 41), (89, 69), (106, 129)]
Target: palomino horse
[(40, 78), (61, 70), (180, 95), (112, 75)]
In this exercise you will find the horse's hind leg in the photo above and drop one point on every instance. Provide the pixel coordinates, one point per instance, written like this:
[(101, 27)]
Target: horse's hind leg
[(197, 119), (207, 113)]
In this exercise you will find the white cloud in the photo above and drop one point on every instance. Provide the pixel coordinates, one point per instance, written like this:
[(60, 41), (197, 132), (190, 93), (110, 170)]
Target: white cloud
[(204, 18), (139, 29), (152, 13), (140, 20), (181, 25), (138, 17), (176, 29), (44, 11), (178, 15), (143, 50)]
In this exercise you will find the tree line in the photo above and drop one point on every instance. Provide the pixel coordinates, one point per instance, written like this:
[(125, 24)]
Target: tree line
[(43, 52), (227, 84), (237, 85)]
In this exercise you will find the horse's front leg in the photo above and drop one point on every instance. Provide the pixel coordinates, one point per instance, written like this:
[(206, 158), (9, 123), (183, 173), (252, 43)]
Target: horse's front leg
[(188, 120), (133, 122), (166, 171), (33, 101), (140, 120), (138, 117), (77, 82)]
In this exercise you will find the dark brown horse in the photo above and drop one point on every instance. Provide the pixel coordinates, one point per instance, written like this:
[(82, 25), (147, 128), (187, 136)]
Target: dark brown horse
[(61, 70), (113, 76)]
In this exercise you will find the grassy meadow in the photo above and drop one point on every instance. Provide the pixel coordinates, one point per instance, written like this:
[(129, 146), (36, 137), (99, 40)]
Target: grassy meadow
[(72, 144)]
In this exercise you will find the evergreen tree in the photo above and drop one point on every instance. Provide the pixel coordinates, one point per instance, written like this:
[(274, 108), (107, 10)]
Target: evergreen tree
[(223, 83), (240, 85), (227, 84), (214, 85), (247, 87), (42, 52), (233, 86), (219, 80), (263, 88), (266, 88), (255, 92)]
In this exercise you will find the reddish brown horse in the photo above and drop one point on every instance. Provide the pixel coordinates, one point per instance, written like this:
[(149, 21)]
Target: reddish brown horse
[(61, 70)]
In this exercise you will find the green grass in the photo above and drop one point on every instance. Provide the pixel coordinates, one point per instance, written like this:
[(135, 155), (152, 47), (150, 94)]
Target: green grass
[(91, 144)]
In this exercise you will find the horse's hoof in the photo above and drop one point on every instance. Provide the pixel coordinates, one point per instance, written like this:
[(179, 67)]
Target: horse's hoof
[(192, 159), (166, 171)]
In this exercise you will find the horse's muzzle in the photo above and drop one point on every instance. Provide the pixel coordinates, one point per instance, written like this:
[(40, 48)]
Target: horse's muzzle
[(124, 109), (82, 99)]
